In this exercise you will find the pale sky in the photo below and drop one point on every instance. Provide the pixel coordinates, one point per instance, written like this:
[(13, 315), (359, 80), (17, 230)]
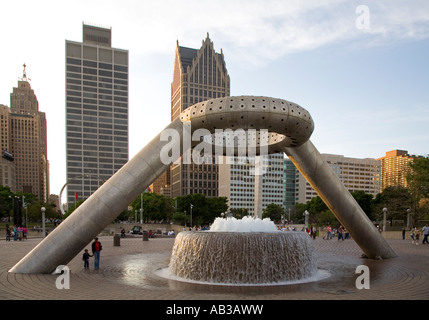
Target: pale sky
[(361, 72)]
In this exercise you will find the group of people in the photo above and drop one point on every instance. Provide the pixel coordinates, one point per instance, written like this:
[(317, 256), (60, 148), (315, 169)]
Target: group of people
[(341, 233), (18, 233), (96, 248), (415, 235)]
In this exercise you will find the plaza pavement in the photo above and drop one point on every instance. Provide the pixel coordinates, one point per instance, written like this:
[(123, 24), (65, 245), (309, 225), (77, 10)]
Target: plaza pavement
[(127, 272)]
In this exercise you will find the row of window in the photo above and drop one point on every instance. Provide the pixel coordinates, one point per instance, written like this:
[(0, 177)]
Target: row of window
[(93, 64)]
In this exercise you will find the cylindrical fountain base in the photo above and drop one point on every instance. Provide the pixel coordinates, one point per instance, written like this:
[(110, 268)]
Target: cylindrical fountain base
[(243, 257)]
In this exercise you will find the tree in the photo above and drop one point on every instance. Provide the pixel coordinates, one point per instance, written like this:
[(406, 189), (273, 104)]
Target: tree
[(365, 201), (418, 181), (396, 199), (273, 212), (155, 207), (204, 210), (6, 204)]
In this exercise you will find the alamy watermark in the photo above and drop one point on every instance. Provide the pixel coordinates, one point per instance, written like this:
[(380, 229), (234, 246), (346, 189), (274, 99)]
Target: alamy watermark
[(239, 147), (363, 22), (63, 280), (362, 281)]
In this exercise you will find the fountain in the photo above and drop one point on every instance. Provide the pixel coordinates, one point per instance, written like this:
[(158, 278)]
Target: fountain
[(243, 252)]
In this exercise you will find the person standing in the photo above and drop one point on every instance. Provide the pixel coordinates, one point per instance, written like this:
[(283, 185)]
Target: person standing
[(85, 259), (8, 233), (425, 233), (340, 233), (96, 249)]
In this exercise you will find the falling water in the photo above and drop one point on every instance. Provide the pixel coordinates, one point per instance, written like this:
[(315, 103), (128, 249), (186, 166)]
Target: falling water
[(246, 255)]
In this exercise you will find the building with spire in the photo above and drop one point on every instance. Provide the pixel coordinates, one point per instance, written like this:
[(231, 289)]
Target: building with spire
[(28, 141), (198, 75), (96, 111)]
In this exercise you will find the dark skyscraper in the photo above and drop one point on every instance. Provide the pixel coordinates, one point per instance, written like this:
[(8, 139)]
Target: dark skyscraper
[(199, 75)]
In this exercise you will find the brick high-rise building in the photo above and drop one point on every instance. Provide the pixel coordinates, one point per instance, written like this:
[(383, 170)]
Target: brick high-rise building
[(394, 168), (96, 111), (28, 141)]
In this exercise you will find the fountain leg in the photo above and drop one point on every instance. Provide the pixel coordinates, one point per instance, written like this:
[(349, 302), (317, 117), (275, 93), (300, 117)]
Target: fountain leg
[(339, 200), (87, 221)]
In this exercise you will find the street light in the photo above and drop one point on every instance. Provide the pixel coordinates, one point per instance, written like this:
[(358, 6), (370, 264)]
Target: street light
[(384, 218), (408, 217), (306, 214), (43, 221), (191, 215)]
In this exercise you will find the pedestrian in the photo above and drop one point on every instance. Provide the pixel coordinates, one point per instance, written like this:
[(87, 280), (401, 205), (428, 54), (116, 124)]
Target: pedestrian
[(96, 248), (24, 233), (8, 233), (340, 233), (403, 233), (416, 236), (85, 259), (314, 232), (329, 234), (425, 233), (15, 233)]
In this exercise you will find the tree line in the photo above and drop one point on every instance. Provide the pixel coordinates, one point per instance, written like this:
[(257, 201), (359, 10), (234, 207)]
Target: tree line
[(159, 208), (30, 206)]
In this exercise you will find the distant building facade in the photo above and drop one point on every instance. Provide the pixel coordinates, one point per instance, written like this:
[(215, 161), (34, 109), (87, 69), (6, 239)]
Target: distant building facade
[(247, 191), (356, 174), (394, 168), (7, 166), (96, 111)]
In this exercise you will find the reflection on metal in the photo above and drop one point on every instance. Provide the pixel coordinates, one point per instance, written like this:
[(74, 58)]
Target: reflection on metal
[(290, 127)]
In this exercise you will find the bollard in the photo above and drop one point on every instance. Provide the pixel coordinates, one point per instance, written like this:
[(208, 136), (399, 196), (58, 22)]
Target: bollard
[(145, 236), (116, 240)]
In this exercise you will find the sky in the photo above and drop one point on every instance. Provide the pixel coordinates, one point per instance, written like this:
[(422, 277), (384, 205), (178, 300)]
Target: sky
[(361, 68)]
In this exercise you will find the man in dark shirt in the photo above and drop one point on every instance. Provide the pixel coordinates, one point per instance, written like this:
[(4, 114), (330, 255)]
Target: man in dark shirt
[(96, 248)]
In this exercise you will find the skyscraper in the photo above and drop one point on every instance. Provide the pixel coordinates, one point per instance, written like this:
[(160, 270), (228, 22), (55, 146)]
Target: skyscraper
[(28, 141), (96, 111), (199, 75)]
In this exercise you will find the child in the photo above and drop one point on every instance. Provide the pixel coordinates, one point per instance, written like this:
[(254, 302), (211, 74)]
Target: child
[(85, 259)]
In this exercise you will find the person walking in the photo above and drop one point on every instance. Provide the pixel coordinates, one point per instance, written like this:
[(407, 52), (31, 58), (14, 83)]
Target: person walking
[(96, 249), (425, 234)]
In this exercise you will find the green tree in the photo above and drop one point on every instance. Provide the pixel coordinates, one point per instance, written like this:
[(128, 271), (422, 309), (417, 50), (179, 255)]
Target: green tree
[(396, 199), (6, 204), (418, 181), (365, 201), (204, 210), (155, 207), (273, 212)]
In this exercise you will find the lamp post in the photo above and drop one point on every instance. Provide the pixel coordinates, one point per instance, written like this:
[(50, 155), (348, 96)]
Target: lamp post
[(306, 214), (384, 218), (191, 215), (43, 221), (408, 217), (141, 209)]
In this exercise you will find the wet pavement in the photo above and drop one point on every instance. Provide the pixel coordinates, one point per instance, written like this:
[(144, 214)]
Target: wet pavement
[(129, 272)]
